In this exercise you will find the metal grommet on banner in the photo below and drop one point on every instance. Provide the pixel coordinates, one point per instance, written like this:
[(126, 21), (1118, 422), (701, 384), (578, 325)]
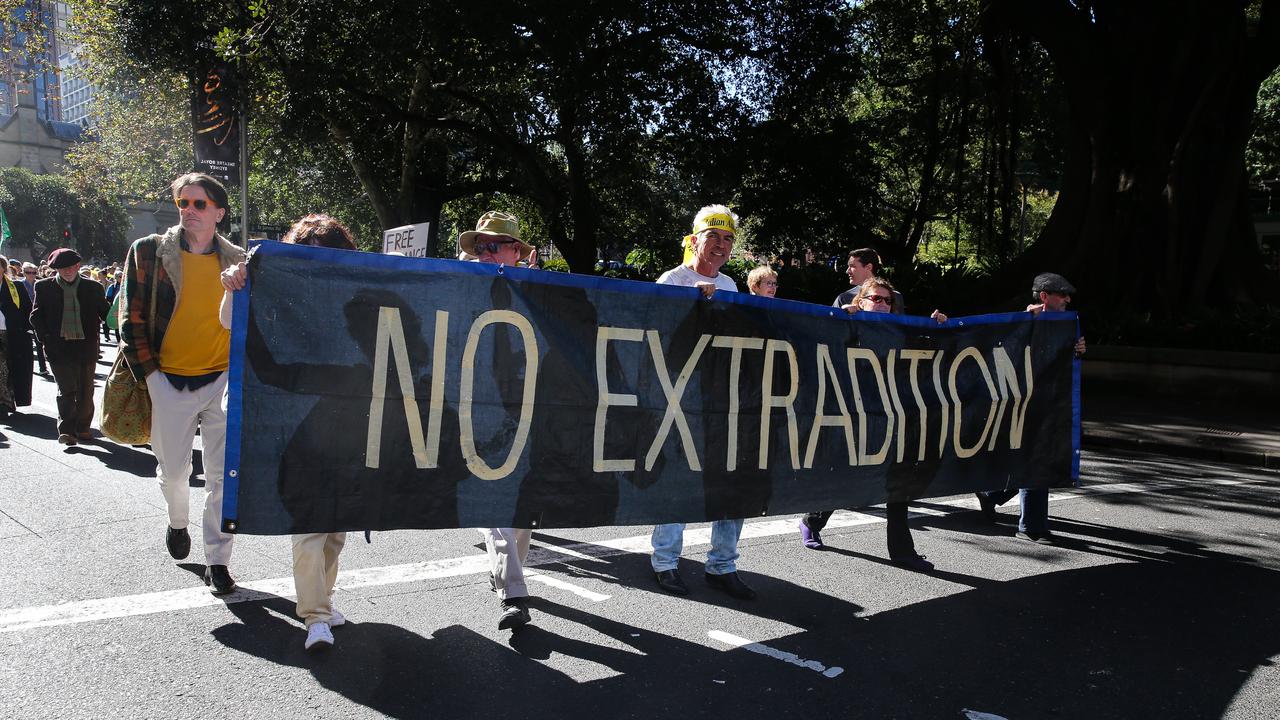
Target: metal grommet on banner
[(231, 526), (500, 267), (232, 473)]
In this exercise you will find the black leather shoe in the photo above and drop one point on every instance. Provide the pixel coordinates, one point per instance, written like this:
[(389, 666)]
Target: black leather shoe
[(219, 580), (1045, 539), (515, 614), (670, 581), (179, 543), (987, 507), (732, 584), (912, 562)]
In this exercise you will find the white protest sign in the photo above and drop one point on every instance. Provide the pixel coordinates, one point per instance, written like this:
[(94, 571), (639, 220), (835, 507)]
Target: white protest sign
[(407, 240)]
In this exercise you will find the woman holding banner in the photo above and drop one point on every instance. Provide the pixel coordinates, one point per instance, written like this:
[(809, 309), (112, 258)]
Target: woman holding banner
[(315, 555), (877, 295)]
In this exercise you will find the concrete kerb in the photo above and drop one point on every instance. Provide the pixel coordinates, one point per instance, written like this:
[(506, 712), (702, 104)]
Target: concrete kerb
[(1101, 438)]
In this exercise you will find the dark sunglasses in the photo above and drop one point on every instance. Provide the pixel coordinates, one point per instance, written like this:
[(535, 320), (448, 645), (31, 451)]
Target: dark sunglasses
[(183, 203), (28, 272), (886, 299), (492, 246)]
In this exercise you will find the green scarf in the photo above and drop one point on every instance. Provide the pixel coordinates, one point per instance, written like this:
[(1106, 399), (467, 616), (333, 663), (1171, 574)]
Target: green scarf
[(72, 329)]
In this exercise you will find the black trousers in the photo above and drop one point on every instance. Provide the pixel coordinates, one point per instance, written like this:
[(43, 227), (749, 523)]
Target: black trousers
[(897, 532), (73, 371), (44, 368)]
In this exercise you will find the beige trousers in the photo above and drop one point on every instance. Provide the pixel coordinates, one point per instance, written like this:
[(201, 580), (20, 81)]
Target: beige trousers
[(508, 549), (315, 569)]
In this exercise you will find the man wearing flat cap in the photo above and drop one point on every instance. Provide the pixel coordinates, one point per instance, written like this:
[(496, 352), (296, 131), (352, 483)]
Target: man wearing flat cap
[(1051, 292), (67, 313), (496, 240)]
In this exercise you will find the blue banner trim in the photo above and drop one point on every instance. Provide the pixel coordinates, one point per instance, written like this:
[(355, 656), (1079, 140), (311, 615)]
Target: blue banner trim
[(235, 407), (595, 282), (1075, 411)]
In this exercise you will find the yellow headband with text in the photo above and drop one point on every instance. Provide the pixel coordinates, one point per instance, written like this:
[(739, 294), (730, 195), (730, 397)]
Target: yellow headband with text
[(718, 221)]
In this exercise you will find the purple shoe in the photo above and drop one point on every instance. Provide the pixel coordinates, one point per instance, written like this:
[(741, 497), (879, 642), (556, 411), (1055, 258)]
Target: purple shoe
[(811, 538)]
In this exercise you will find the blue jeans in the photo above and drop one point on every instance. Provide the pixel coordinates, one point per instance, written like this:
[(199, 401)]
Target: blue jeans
[(1034, 518), (668, 542)]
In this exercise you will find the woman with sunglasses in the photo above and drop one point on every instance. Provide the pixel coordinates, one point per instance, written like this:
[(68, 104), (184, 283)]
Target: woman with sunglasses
[(172, 339), (876, 295)]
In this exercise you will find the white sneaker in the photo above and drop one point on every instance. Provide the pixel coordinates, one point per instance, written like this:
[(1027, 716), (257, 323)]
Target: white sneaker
[(336, 618), (318, 636)]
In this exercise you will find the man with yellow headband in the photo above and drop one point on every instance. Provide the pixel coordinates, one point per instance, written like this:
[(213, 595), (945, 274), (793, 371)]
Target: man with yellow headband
[(714, 230)]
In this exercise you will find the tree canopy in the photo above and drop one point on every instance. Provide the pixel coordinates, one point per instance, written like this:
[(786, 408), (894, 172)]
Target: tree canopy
[(973, 142)]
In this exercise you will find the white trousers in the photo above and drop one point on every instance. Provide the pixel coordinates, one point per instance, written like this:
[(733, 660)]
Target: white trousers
[(508, 549), (315, 570), (174, 416)]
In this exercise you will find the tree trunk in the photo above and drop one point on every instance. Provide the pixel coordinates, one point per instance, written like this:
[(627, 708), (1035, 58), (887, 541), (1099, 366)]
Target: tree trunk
[(580, 251), (1152, 214)]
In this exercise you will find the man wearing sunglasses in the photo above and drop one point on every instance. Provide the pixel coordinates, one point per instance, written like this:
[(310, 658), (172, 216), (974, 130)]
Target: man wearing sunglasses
[(179, 347), (1049, 292), (496, 240)]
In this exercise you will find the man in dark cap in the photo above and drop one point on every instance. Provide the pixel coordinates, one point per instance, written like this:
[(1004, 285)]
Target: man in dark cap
[(67, 313), (1051, 292)]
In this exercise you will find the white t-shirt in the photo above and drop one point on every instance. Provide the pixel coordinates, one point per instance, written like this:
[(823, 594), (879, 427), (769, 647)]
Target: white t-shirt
[(684, 276)]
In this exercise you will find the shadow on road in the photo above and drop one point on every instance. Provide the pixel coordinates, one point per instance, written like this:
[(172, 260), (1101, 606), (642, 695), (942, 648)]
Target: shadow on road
[(1173, 632)]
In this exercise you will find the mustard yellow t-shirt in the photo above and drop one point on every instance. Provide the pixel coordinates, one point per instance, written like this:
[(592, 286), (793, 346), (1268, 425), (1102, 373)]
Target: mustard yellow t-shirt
[(195, 342)]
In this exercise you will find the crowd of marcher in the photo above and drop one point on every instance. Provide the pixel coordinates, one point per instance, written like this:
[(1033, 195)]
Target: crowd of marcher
[(171, 303)]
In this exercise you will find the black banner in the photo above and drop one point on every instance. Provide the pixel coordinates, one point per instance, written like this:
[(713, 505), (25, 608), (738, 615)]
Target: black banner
[(379, 392), (215, 123)]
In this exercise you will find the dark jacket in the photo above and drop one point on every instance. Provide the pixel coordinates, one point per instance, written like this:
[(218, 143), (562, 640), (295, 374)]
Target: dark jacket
[(46, 315), (16, 317)]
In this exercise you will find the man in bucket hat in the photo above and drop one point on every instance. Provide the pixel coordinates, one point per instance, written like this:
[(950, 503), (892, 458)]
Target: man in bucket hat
[(496, 240), (1052, 292), (66, 315)]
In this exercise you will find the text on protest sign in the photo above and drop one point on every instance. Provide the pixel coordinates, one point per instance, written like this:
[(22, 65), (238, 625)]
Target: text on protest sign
[(387, 393), (407, 240)]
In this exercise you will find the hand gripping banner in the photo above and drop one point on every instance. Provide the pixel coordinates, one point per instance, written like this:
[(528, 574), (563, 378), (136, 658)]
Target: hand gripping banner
[(373, 392)]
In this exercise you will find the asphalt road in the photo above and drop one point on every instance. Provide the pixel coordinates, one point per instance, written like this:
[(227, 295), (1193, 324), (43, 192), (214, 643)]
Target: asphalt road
[(1159, 601)]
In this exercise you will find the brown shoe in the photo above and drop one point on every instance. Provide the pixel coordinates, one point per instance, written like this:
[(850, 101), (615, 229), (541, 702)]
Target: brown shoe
[(67, 439), (85, 435)]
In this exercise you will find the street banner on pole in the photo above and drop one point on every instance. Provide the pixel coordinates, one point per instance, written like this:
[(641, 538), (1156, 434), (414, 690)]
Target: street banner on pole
[(370, 392), (407, 240), (215, 124)]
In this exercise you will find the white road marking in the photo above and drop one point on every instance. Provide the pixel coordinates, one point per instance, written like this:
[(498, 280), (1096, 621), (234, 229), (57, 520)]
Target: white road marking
[(561, 584), (552, 549), (979, 715), (70, 613), (755, 647)]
